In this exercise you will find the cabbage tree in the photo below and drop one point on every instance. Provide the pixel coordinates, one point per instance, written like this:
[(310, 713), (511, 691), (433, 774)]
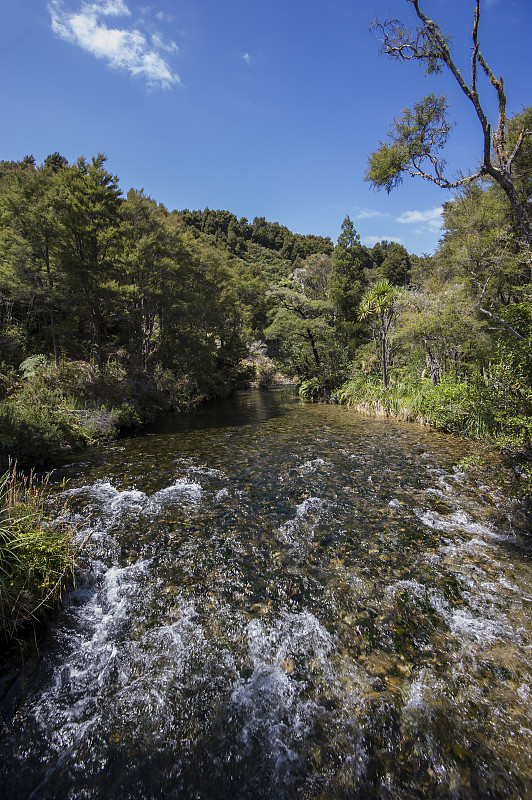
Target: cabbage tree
[(379, 307)]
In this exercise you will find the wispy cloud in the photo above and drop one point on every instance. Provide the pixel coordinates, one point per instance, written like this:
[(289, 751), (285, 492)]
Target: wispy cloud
[(368, 213), (163, 17), (371, 240), (429, 220), (126, 49), (159, 44), (248, 59)]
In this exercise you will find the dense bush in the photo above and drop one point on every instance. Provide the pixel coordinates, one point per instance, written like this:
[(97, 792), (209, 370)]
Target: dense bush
[(36, 557), (35, 427)]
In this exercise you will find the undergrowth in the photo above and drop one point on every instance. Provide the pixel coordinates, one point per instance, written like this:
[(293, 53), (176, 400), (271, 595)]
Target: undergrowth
[(475, 408), (36, 556)]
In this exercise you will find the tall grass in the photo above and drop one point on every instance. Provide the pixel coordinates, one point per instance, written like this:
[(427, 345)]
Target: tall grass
[(36, 556), (476, 409)]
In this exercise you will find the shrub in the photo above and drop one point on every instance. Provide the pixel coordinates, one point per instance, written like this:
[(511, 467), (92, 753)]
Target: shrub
[(36, 558), (34, 428), (311, 389), (126, 416), (34, 366)]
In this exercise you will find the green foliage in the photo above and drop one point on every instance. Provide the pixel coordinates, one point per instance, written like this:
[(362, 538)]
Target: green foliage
[(36, 557), (302, 335), (441, 331), (90, 280), (311, 389), (522, 166), (461, 408), (415, 138), (34, 428), (379, 306), (497, 411), (347, 281), (469, 462), (114, 309), (33, 366), (241, 237), (402, 398), (127, 416), (395, 266), (386, 166)]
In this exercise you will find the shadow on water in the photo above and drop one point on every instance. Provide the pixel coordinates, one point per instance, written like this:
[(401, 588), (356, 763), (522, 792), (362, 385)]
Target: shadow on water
[(244, 408)]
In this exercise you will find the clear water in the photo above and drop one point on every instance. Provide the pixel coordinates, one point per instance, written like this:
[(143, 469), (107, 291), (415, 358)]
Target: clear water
[(283, 601)]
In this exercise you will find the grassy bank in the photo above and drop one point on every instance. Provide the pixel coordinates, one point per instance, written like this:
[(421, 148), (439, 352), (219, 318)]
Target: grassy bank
[(36, 557), (487, 409)]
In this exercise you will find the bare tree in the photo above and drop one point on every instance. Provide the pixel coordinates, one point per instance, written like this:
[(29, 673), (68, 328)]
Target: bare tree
[(417, 137)]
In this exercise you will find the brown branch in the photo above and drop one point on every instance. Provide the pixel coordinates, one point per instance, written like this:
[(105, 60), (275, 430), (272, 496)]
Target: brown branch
[(443, 183), (429, 44), (485, 285), (499, 137), (471, 95), (475, 49), (520, 141)]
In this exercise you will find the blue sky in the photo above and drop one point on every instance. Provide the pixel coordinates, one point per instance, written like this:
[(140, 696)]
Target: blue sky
[(264, 109)]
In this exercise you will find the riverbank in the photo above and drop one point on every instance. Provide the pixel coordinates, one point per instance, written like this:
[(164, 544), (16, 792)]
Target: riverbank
[(49, 411), (473, 410)]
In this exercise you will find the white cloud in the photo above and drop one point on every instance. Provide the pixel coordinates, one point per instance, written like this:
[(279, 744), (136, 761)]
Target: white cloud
[(368, 213), (430, 220), (248, 59), (162, 17), (371, 240), (126, 49), (159, 43), (111, 8)]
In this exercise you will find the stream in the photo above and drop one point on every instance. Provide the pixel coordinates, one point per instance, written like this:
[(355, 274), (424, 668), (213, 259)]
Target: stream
[(281, 600)]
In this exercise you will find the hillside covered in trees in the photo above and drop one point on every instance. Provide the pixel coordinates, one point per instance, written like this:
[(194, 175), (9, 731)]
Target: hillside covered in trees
[(114, 308)]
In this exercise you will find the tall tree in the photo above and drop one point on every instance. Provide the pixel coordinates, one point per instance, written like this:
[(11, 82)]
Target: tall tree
[(444, 327), (395, 266), (302, 326), (28, 239), (87, 207), (347, 280), (418, 136), (480, 248), (152, 271)]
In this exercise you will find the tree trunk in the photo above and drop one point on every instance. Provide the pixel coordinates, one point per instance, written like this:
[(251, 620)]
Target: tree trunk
[(431, 364), (384, 364), (313, 345)]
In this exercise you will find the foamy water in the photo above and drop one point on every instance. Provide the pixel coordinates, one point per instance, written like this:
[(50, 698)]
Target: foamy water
[(298, 606)]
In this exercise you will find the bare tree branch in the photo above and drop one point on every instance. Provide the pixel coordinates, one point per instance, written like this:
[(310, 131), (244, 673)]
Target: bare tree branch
[(502, 322), (522, 136), (475, 49)]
